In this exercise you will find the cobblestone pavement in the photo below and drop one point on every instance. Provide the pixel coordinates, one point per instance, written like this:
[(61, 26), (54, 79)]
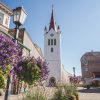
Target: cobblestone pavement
[(89, 94)]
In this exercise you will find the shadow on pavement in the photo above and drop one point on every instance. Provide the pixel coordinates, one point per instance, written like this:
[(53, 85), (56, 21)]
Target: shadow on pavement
[(93, 90)]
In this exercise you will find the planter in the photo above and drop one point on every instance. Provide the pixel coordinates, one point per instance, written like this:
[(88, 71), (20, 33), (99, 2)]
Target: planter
[(72, 97), (77, 97)]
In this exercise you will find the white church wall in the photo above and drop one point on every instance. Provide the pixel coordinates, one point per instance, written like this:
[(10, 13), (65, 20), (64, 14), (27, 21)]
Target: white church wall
[(54, 58), (55, 71), (48, 54)]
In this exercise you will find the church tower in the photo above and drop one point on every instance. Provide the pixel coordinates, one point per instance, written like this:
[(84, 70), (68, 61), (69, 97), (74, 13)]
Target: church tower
[(52, 51)]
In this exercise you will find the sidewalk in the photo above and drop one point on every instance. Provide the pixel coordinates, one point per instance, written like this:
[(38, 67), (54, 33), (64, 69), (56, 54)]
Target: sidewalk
[(89, 94), (13, 97)]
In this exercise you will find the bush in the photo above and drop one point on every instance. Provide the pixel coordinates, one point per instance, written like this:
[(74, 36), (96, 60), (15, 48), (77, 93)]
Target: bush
[(70, 90), (35, 94), (66, 93), (59, 94)]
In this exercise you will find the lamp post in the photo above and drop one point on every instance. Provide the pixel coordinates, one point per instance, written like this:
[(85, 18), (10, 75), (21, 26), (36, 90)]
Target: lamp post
[(19, 16), (74, 71), (74, 74)]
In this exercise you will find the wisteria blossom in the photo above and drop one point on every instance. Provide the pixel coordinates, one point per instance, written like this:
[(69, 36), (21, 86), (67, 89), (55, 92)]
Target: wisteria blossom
[(10, 53)]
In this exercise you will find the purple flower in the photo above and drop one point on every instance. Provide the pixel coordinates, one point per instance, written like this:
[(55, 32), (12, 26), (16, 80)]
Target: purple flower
[(4, 67), (20, 68), (11, 71), (9, 52)]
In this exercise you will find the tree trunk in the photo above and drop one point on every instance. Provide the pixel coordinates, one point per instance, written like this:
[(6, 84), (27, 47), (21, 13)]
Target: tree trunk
[(7, 88)]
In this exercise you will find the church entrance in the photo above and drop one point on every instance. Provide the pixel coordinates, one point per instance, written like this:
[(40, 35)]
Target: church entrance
[(52, 82)]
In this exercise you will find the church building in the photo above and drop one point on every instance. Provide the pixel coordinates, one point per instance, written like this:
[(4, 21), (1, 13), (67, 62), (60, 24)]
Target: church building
[(52, 54)]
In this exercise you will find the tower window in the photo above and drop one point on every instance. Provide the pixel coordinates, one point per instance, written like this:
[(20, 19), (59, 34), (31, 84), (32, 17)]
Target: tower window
[(51, 49), (54, 41), (48, 41), (51, 41)]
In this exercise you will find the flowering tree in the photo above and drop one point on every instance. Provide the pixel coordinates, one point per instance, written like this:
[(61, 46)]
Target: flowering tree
[(75, 79), (31, 70), (10, 53), (44, 69)]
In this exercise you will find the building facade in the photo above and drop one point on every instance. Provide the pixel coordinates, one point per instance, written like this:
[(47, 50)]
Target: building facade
[(90, 66), (5, 15), (52, 53), (29, 47)]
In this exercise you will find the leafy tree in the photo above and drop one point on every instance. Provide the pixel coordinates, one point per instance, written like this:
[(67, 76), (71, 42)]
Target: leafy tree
[(31, 70)]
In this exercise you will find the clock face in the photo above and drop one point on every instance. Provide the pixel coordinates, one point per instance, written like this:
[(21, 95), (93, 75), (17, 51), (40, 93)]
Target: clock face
[(51, 34)]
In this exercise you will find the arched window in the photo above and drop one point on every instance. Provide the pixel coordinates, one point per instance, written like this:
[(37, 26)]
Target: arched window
[(48, 41), (52, 81), (54, 41), (51, 41), (51, 49)]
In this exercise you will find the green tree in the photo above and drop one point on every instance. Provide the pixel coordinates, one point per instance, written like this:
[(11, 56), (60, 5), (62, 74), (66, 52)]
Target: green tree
[(31, 71)]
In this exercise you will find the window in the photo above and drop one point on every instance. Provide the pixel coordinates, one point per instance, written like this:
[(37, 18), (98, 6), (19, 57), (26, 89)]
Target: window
[(54, 41), (51, 49), (1, 18), (48, 41), (51, 41), (6, 21), (86, 69)]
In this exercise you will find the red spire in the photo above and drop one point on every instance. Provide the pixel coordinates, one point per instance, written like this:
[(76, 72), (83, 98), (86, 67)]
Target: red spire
[(52, 21)]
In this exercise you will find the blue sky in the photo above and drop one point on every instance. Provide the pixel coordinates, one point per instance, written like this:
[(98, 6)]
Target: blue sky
[(79, 21)]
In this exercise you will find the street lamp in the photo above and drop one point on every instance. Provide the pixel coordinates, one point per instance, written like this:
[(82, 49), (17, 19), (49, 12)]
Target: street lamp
[(74, 74), (19, 16), (74, 71)]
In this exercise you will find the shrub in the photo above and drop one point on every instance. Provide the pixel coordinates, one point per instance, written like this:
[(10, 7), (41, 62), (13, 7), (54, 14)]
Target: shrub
[(59, 94), (65, 93), (70, 90), (35, 94)]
